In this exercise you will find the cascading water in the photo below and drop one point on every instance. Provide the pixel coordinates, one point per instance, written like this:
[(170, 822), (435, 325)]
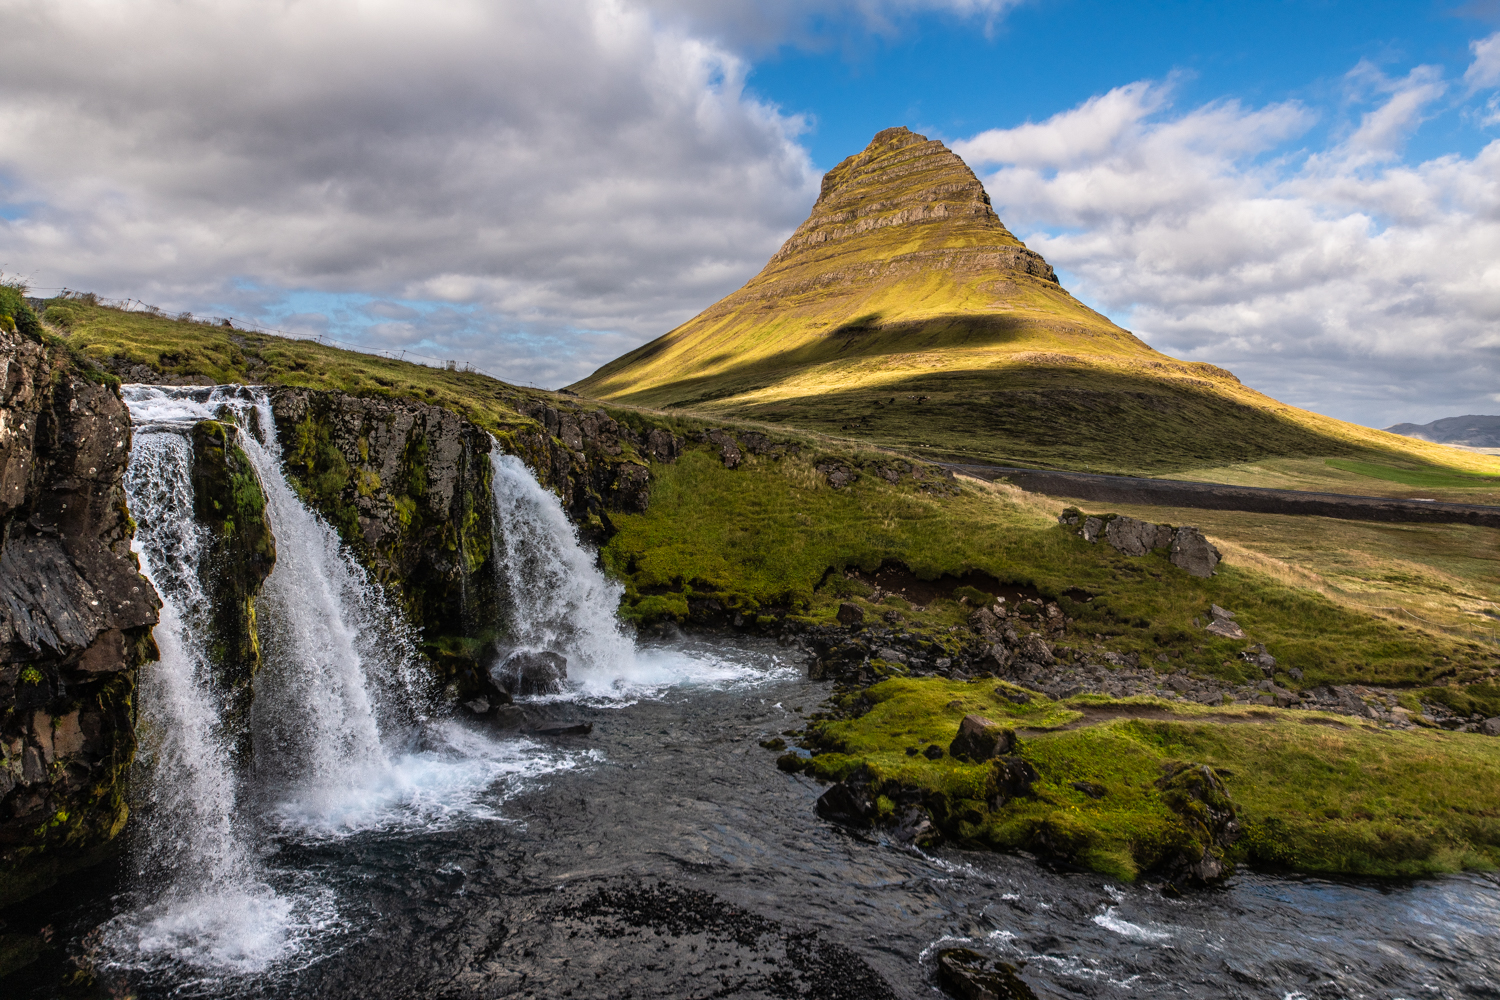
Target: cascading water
[(560, 601), (206, 899)]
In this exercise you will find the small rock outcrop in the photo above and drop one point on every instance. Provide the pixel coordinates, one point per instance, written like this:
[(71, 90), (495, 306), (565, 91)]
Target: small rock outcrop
[(968, 975), (531, 671), (1198, 797), (980, 739), (1186, 547), (75, 615)]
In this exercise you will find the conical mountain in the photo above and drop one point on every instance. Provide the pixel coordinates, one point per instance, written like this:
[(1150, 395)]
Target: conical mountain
[(903, 312)]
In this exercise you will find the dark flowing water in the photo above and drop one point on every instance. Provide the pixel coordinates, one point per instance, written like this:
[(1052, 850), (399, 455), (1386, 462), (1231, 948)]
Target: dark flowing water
[(666, 856)]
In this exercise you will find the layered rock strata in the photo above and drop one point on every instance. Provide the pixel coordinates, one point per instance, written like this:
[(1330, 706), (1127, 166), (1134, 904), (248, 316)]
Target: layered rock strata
[(75, 616)]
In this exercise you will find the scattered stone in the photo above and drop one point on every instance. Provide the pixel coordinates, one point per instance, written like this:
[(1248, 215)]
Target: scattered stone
[(1225, 628), (850, 614), (1193, 553), (933, 752), (1219, 612), (969, 975), (1013, 778), (479, 706), (531, 671), (774, 743), (890, 655), (1490, 727), (979, 739), (837, 474)]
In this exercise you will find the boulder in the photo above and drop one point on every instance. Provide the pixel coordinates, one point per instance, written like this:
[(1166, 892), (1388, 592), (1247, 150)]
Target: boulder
[(1225, 628), (1012, 777), (980, 739), (1198, 797), (729, 451), (1136, 538), (1034, 649), (850, 802), (1091, 528), (1192, 553), (1490, 727), (531, 671), (850, 614), (969, 975)]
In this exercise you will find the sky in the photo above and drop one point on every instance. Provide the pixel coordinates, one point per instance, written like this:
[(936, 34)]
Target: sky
[(1305, 192)]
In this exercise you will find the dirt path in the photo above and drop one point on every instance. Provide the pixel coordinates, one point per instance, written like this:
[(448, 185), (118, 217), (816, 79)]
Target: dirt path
[(1094, 715)]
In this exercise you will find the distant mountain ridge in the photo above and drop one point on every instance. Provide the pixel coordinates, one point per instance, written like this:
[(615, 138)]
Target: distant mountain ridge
[(904, 313), (1473, 431)]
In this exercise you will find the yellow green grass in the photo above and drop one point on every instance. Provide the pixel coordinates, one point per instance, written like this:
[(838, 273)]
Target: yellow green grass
[(940, 337), (777, 528), (1315, 792)]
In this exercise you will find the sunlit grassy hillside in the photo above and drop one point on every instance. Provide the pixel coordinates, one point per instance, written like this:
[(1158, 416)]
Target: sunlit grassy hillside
[(904, 314)]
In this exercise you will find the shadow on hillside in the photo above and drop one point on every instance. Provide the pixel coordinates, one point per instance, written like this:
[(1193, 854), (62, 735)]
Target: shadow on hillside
[(1057, 416)]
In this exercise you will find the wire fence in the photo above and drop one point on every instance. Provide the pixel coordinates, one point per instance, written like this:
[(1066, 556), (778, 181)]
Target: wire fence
[(1470, 632), (250, 326)]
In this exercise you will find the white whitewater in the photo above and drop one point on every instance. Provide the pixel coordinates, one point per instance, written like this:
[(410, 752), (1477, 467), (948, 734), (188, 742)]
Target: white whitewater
[(208, 901), (343, 742), (562, 602)]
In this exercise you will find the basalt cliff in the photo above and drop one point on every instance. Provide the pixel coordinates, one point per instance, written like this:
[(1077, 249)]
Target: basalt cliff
[(75, 615)]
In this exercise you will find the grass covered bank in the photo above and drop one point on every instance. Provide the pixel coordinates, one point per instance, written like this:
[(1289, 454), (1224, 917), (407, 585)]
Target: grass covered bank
[(1315, 792), (774, 537)]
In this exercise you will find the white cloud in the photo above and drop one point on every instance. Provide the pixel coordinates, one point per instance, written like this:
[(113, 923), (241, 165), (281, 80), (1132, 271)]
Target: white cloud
[(1484, 71), (1342, 279), (569, 166)]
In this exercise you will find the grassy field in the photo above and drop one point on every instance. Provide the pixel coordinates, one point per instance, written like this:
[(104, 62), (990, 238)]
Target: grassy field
[(779, 529), (1443, 575), (1315, 792), (1392, 477)]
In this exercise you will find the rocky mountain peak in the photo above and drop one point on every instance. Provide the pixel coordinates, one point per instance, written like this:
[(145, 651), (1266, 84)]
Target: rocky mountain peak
[(901, 179)]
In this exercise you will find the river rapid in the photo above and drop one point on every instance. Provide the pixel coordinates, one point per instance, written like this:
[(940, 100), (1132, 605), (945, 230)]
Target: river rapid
[(381, 847)]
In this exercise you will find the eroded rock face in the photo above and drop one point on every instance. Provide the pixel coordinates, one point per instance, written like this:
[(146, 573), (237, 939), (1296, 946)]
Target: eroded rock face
[(407, 485), (75, 616), (582, 454), (230, 503)]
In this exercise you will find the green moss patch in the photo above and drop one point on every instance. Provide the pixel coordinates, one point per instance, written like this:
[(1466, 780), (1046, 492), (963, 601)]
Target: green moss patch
[(1315, 792)]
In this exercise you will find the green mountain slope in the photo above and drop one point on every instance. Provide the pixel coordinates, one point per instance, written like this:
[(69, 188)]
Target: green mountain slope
[(904, 313)]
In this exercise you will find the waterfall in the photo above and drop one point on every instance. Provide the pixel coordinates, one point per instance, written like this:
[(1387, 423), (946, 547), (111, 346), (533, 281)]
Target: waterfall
[(561, 602), (193, 856)]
